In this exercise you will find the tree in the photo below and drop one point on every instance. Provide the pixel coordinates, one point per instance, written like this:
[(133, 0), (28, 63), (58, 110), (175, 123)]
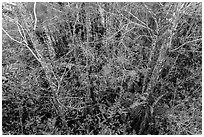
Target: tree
[(102, 62)]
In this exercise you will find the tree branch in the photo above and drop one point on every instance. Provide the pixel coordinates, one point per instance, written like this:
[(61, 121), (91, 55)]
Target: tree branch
[(34, 10), (11, 37), (184, 44)]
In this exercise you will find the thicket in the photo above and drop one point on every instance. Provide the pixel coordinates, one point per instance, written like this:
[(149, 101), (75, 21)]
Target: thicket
[(102, 68)]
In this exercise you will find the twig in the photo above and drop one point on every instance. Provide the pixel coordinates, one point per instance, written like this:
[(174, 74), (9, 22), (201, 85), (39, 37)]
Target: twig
[(137, 24), (11, 37), (60, 81), (34, 10), (185, 44), (23, 44), (138, 19), (11, 3), (20, 28), (155, 102)]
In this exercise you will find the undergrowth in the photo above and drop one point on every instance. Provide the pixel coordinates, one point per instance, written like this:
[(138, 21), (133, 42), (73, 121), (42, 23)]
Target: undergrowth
[(101, 68)]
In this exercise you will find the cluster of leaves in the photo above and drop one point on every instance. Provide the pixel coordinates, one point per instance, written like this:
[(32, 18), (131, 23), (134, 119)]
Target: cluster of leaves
[(102, 68)]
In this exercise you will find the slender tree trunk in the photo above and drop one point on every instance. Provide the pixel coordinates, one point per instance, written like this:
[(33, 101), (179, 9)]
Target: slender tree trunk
[(42, 54)]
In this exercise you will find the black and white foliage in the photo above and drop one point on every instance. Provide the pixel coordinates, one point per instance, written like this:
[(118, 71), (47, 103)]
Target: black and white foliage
[(102, 68)]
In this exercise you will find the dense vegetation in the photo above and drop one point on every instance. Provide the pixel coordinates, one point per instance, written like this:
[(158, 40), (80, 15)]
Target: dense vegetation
[(102, 68)]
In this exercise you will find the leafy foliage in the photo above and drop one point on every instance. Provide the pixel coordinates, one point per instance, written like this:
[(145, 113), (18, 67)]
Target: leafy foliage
[(102, 68)]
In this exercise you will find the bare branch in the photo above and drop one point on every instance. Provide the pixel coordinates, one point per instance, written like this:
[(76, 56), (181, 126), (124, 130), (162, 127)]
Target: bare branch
[(11, 37), (34, 11), (185, 44), (136, 23), (19, 27), (23, 44)]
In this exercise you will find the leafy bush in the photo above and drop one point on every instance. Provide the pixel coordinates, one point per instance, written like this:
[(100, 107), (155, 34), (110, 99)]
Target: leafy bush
[(102, 68)]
